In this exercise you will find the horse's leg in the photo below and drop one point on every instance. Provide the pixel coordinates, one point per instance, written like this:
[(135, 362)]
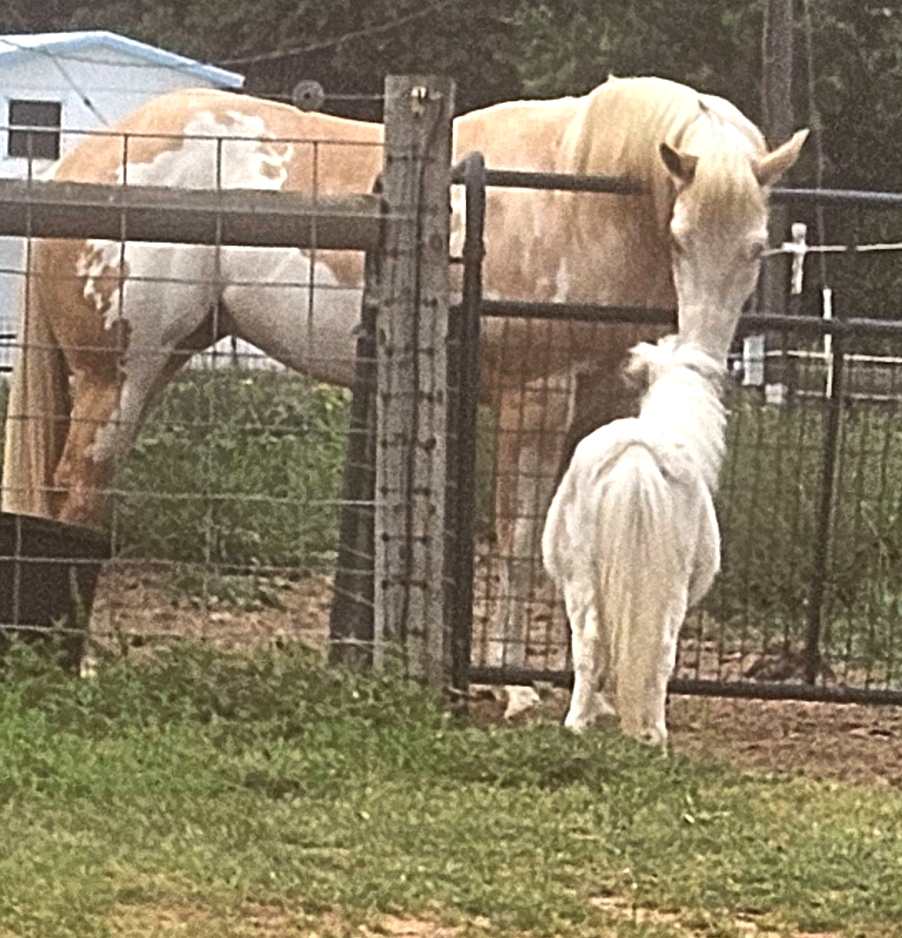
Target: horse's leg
[(108, 410), (84, 472), (661, 666), (589, 654), (118, 313)]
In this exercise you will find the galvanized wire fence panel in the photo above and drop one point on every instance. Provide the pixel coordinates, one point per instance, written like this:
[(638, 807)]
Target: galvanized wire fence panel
[(518, 619), (220, 485), (806, 595), (863, 616), (236, 508), (803, 597), (755, 623)]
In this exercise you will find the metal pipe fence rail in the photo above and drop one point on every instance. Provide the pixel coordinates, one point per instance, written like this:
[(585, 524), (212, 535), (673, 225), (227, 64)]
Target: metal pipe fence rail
[(808, 606)]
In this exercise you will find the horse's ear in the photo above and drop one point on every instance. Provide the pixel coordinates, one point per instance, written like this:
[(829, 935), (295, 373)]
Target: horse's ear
[(771, 167), (680, 165)]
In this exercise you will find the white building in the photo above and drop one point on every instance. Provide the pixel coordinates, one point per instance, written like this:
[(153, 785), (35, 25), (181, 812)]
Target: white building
[(66, 83)]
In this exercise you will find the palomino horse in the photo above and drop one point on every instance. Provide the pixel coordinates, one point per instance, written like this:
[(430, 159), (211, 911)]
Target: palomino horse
[(108, 325), (632, 536)]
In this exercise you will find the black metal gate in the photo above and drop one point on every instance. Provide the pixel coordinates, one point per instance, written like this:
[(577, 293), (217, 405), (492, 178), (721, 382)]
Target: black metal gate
[(809, 603)]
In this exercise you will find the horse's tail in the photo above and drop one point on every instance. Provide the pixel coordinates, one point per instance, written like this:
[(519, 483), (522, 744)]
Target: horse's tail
[(641, 562), (37, 417)]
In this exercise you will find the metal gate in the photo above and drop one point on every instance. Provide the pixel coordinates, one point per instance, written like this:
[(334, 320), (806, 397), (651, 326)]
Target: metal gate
[(809, 603)]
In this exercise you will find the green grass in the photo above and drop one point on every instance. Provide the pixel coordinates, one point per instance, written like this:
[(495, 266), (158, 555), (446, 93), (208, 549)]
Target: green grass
[(212, 785)]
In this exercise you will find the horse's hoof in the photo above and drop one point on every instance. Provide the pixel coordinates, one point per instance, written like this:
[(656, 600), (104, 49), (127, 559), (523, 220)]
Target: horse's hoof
[(520, 700), (654, 737), (576, 726)]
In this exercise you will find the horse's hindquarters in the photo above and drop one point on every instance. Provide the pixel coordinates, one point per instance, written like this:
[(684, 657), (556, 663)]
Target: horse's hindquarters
[(301, 309)]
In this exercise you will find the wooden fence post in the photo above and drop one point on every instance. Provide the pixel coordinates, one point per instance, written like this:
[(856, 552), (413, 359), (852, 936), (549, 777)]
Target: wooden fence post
[(412, 615)]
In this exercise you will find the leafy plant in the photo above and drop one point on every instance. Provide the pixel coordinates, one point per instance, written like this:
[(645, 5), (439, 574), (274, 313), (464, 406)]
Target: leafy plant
[(236, 471)]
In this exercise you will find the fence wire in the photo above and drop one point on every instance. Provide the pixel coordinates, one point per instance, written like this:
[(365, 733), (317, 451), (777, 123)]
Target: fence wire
[(223, 517), (807, 603), (754, 629)]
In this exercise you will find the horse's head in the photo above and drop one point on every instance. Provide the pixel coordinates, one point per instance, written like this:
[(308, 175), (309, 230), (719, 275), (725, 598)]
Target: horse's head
[(718, 232)]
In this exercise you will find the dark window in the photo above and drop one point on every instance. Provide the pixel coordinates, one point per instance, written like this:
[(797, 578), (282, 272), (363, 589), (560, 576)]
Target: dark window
[(40, 144)]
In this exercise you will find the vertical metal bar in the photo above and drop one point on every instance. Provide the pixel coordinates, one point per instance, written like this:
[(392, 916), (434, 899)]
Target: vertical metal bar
[(351, 616), (212, 508), (467, 409), (822, 544)]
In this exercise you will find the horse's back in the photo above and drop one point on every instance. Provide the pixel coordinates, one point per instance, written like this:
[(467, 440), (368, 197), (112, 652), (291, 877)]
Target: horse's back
[(522, 135), (200, 139), (205, 138)]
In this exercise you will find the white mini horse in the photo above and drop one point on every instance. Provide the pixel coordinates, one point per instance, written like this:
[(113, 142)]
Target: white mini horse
[(632, 538)]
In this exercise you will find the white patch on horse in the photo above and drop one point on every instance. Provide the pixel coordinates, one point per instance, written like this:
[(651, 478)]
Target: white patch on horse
[(273, 156), (105, 437), (99, 264), (237, 152), (318, 339), (458, 220), (562, 283)]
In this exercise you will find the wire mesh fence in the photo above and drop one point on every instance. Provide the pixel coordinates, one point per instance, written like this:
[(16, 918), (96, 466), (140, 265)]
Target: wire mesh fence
[(215, 489), (805, 605), (807, 589), (808, 530), (240, 500)]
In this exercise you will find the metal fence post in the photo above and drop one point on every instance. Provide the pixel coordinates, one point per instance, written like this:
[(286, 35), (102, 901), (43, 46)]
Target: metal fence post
[(412, 615), (351, 616), (822, 542), (467, 326)]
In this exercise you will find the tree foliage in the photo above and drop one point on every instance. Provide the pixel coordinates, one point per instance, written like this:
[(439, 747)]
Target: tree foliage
[(512, 48)]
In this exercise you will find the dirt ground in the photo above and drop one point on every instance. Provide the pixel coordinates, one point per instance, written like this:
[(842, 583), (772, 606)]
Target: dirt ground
[(840, 742), (254, 920), (135, 608)]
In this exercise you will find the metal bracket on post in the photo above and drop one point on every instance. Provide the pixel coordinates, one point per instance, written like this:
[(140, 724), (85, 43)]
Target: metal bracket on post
[(414, 429)]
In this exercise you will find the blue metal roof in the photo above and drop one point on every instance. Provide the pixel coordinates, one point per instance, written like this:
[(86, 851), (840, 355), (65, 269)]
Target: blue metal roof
[(76, 46)]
